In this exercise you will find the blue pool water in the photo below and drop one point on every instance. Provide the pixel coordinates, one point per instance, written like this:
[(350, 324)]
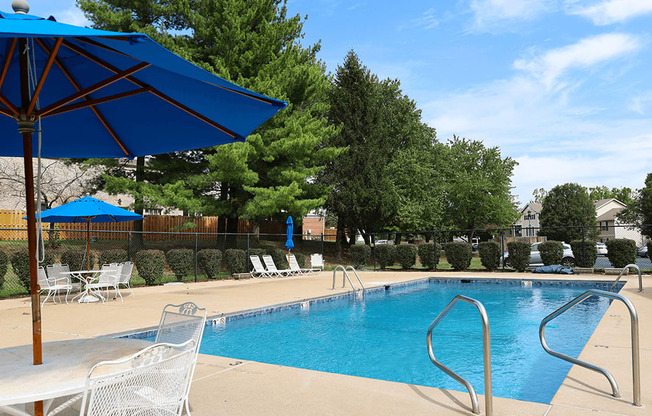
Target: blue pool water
[(384, 337)]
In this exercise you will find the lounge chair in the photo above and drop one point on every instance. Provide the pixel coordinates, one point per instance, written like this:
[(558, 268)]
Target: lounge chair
[(53, 286), (180, 323), (271, 267), (154, 381), (294, 266), (317, 261), (259, 270)]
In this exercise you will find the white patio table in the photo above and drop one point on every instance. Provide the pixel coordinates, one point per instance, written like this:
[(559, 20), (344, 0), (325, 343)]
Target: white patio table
[(63, 372), (86, 277)]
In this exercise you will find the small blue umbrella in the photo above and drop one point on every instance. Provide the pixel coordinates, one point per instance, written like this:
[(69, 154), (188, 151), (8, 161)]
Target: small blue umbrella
[(88, 210), (289, 244)]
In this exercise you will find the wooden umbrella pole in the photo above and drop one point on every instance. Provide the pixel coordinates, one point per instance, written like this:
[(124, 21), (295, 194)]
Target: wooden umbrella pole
[(88, 242)]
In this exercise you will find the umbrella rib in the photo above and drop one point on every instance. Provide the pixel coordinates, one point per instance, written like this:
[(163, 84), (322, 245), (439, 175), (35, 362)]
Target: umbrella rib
[(10, 106), (153, 90), (83, 93), (5, 67), (6, 112), (97, 112), (44, 75), (92, 102)]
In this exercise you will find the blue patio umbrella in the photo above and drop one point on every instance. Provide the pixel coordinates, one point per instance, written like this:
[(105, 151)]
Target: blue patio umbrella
[(88, 210), (107, 94), (289, 244)]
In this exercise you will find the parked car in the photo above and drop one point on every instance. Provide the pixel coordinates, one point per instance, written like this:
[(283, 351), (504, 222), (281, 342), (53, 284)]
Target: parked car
[(602, 249), (384, 242), (568, 259), (642, 251)]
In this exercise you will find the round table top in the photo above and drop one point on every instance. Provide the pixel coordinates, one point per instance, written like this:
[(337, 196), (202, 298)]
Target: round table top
[(64, 369)]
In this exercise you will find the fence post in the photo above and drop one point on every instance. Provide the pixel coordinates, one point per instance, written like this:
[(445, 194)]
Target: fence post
[(248, 260), (196, 254), (584, 247), (322, 245), (502, 247), (129, 247), (373, 241), (436, 249)]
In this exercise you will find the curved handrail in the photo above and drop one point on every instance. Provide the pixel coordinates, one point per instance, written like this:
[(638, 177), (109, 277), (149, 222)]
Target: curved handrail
[(636, 376), (640, 277), (345, 277), (486, 343), (359, 280)]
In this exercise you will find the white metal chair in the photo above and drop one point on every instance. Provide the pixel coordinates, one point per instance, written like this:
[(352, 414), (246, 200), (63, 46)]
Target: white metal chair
[(180, 323), (125, 278), (154, 381), (53, 286), (61, 271), (109, 278), (317, 261), (259, 269), (271, 267), (294, 266)]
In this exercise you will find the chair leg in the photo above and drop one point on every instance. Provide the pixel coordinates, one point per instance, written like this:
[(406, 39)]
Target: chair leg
[(187, 407), (46, 298)]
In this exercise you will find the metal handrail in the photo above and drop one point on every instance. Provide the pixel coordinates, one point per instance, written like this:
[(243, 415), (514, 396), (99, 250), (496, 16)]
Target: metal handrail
[(345, 277), (486, 343), (636, 366), (640, 277)]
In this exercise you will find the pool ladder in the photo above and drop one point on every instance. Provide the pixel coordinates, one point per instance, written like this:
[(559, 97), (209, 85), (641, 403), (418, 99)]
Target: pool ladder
[(345, 277), (640, 277), (486, 343), (636, 366)]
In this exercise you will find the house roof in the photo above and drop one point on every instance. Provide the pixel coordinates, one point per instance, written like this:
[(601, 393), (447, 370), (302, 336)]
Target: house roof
[(534, 206), (602, 202), (609, 215)]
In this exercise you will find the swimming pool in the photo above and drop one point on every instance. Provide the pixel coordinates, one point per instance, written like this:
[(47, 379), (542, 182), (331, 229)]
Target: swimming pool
[(384, 337)]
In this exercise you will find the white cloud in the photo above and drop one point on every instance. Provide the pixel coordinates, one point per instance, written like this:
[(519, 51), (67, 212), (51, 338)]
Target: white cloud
[(490, 13), (549, 66), (613, 11), (641, 102), (428, 19), (72, 16)]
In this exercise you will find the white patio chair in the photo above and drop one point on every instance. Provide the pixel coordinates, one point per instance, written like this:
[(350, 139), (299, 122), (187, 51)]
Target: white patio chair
[(62, 271), (180, 323), (53, 286), (108, 278), (125, 278), (317, 261), (294, 266), (154, 381), (271, 267), (259, 269)]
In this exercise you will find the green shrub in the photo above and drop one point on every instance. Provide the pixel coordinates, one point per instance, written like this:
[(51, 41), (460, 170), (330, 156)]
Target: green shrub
[(150, 265), (260, 252), (278, 255), (585, 252), (116, 255), (489, 254), (621, 252), (181, 261), (406, 255), (427, 255), (210, 262), (236, 260), (551, 252), (301, 259), (519, 255), (20, 265), (76, 259), (4, 265), (385, 255), (360, 254), (459, 255)]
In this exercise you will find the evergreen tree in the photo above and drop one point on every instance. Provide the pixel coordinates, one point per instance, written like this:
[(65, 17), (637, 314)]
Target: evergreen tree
[(256, 45)]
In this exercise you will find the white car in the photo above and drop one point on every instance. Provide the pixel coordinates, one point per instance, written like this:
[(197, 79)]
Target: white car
[(602, 249), (568, 259)]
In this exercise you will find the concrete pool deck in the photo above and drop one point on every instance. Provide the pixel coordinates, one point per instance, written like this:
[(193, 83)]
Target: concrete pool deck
[(235, 387)]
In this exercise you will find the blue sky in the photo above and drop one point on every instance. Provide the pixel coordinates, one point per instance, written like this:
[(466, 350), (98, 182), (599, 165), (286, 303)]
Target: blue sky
[(562, 86)]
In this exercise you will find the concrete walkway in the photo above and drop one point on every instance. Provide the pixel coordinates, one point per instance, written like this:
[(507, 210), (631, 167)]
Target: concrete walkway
[(234, 387)]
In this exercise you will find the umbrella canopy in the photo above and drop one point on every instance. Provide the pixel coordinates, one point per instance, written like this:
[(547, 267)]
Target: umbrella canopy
[(289, 244), (107, 94), (88, 209)]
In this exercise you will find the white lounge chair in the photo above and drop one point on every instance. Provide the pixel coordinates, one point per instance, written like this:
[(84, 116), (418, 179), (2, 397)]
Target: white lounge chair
[(125, 278), (259, 269), (154, 381), (271, 267), (53, 286), (294, 266), (180, 323), (317, 261)]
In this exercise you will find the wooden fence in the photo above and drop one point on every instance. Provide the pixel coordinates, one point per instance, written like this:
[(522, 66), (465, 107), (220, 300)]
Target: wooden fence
[(12, 225)]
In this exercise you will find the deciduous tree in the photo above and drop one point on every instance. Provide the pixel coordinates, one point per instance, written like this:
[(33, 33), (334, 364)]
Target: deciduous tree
[(639, 211), (569, 208)]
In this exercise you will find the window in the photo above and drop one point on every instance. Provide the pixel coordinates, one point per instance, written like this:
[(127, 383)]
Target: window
[(604, 225), (530, 216), (517, 231)]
